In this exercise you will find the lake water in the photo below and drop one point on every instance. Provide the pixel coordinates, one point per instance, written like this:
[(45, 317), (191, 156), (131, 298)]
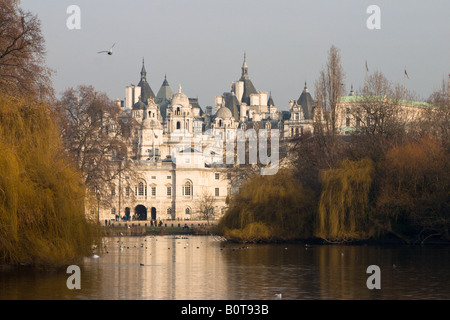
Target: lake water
[(202, 268)]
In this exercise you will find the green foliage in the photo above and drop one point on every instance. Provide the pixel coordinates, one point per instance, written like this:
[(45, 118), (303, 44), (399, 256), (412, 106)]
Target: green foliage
[(269, 208), (344, 202), (42, 219)]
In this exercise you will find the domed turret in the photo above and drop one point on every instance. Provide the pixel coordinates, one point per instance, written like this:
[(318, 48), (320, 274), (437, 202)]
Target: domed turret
[(224, 113), (307, 103), (180, 99)]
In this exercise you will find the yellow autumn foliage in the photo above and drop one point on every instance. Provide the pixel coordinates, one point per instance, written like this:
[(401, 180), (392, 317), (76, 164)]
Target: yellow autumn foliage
[(343, 212), (42, 219), (269, 208)]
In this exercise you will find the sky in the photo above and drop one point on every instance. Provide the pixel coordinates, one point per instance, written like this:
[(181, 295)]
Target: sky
[(200, 44)]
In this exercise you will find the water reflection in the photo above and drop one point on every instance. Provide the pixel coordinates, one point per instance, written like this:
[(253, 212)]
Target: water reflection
[(199, 268)]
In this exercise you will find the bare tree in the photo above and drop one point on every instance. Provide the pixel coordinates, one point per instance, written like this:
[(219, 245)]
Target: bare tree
[(376, 110), (439, 114), (97, 134), (22, 53), (329, 87), (206, 206)]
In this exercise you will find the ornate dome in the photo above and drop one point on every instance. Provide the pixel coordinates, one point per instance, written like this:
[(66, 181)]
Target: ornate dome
[(180, 99), (224, 113)]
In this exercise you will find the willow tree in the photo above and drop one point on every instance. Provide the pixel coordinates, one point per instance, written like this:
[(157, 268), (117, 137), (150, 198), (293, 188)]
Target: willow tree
[(344, 202), (42, 219), (270, 208)]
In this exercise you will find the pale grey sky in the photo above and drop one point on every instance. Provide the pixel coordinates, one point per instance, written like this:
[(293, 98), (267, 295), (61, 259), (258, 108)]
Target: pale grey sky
[(200, 43)]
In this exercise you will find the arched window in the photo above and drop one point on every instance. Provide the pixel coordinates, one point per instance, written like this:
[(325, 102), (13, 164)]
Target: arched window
[(178, 125), (187, 188), (188, 211), (169, 211)]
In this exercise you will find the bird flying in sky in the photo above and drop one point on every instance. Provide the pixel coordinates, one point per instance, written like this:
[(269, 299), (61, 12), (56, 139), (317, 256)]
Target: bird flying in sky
[(110, 51)]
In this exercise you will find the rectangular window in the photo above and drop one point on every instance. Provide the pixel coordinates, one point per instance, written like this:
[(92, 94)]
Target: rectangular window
[(153, 191), (141, 189), (153, 177), (169, 177), (113, 191), (169, 191), (217, 192), (347, 122), (229, 175), (217, 176), (127, 191)]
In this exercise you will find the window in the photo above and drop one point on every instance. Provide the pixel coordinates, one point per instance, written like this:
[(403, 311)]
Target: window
[(127, 191), (141, 189), (188, 211), (169, 177), (169, 211), (178, 125), (229, 175), (217, 176), (113, 191), (188, 188), (153, 177), (153, 191), (358, 122), (169, 191), (217, 192), (347, 122), (113, 211), (348, 110)]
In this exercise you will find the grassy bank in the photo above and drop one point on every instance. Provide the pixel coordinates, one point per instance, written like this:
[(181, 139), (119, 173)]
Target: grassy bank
[(116, 231)]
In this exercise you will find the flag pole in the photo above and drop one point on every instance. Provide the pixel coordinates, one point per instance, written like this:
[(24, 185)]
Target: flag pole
[(404, 83), (365, 77)]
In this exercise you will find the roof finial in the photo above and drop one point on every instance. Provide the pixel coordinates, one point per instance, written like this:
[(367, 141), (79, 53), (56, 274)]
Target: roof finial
[(179, 88), (306, 88), (244, 66)]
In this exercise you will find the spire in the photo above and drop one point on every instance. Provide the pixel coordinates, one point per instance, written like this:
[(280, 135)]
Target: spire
[(165, 83), (270, 102), (179, 88), (245, 67), (306, 88), (143, 71)]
